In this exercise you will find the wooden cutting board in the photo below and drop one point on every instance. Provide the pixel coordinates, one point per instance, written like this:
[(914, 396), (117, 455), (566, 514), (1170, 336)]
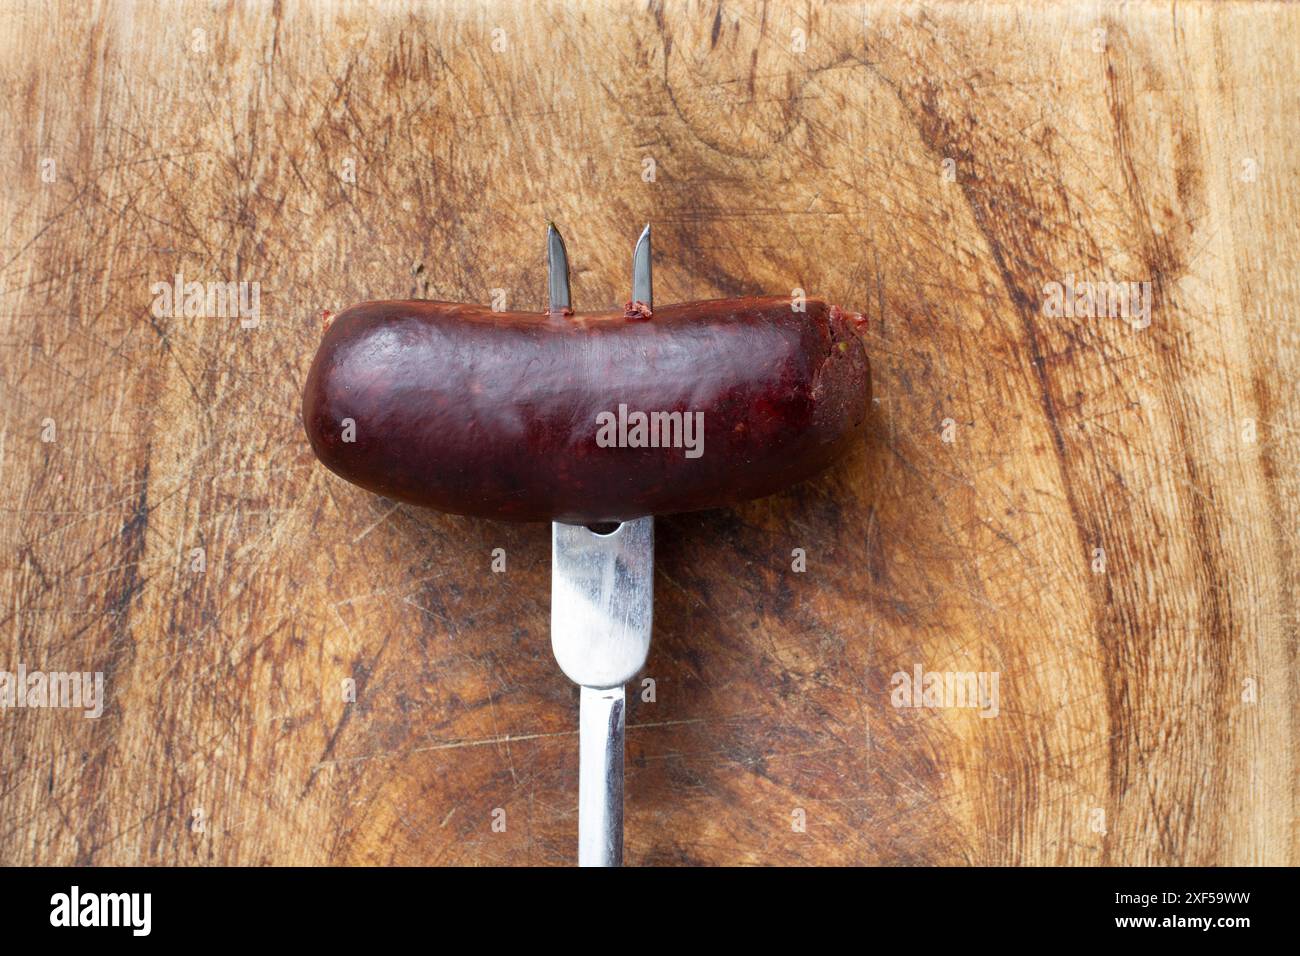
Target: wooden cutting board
[(1100, 510)]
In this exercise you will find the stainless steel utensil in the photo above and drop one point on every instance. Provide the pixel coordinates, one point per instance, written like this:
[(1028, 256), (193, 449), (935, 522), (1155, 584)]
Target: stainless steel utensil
[(602, 598)]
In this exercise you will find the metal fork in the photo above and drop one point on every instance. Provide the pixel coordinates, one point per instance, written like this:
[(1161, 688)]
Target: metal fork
[(602, 599)]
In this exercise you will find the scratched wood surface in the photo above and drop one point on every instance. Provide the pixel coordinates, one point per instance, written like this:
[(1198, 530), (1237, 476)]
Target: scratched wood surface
[(1102, 514)]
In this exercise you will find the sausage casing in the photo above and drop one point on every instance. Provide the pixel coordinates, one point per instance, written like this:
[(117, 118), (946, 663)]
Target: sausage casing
[(528, 416)]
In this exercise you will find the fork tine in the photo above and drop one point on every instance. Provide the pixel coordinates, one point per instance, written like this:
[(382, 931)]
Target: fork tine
[(557, 270), (642, 286)]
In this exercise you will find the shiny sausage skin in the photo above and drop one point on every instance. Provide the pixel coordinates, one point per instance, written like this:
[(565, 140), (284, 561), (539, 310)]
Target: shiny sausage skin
[(495, 414)]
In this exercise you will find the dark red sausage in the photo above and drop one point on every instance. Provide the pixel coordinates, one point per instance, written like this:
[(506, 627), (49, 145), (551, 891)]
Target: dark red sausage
[(511, 415)]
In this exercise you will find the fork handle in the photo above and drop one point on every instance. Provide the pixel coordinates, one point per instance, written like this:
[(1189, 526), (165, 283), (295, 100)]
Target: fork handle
[(600, 776)]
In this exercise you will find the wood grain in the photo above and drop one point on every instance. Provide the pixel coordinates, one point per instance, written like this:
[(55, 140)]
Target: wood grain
[(1148, 709)]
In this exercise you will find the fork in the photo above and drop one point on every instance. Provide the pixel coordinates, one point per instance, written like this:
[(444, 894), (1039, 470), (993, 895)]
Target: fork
[(602, 602)]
